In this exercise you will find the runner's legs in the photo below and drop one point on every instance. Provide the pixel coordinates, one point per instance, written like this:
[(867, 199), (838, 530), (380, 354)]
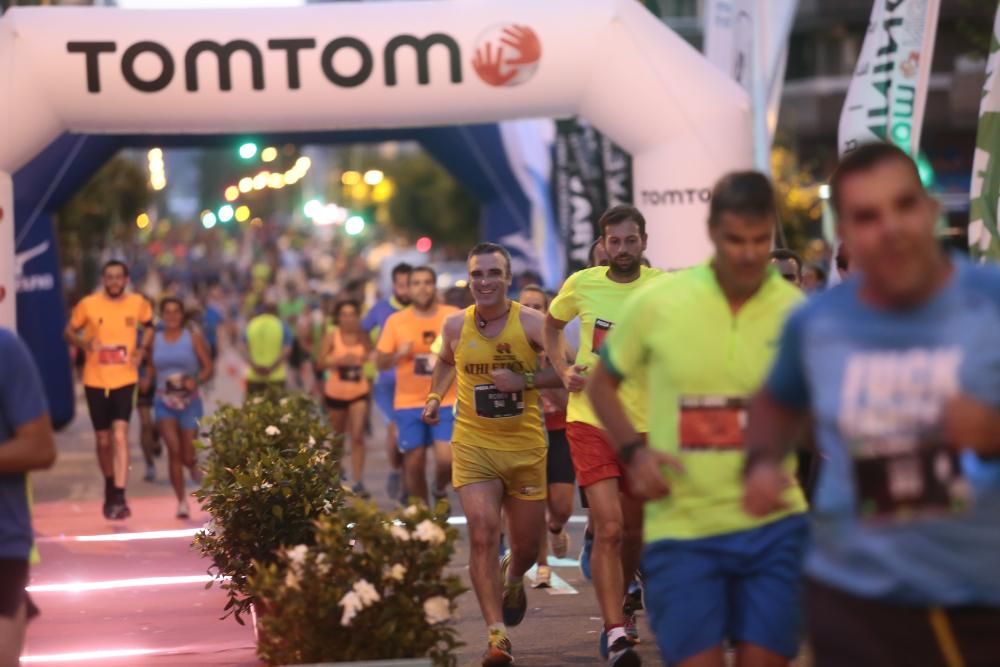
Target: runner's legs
[(481, 503)]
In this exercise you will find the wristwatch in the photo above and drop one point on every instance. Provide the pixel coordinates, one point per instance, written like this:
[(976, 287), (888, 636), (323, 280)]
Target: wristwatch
[(628, 450), (529, 380)]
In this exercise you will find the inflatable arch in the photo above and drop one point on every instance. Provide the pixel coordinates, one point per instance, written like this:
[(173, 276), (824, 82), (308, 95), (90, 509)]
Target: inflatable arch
[(378, 65)]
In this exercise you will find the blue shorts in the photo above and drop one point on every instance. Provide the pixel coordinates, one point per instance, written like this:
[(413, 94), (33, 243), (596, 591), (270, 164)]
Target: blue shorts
[(187, 418), (384, 393), (414, 433), (744, 586)]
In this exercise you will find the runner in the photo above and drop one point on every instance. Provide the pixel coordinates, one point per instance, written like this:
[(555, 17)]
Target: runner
[(703, 339), (266, 347), (384, 391), (314, 325), (290, 309), (596, 296), (345, 351), (898, 370), (493, 348), (26, 444), (559, 467), (109, 321), (405, 344), (149, 439), (182, 361)]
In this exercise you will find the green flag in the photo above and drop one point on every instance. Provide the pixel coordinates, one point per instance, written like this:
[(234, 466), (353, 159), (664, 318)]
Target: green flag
[(984, 239)]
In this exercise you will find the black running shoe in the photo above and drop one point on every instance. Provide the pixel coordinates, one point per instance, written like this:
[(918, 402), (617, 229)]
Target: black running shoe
[(515, 600), (118, 511), (622, 654)]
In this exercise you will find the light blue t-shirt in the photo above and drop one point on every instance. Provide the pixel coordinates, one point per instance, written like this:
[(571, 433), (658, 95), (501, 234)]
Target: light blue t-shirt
[(873, 379)]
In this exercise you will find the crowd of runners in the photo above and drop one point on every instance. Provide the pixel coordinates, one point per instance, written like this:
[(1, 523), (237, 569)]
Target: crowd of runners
[(759, 468)]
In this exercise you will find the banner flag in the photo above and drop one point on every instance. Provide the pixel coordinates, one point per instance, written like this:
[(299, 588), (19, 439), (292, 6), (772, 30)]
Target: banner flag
[(984, 239)]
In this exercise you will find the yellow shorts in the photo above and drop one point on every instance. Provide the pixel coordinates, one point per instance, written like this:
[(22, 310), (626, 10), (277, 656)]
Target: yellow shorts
[(522, 472)]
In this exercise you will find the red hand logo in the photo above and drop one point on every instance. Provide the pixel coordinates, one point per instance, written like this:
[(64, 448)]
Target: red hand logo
[(525, 42), (488, 67)]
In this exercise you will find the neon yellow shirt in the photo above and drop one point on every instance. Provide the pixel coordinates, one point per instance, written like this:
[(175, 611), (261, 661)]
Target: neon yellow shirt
[(701, 363), (599, 303)]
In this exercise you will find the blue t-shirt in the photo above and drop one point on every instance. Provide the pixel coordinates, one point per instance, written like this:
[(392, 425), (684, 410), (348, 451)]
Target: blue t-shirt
[(873, 379), (21, 401), (210, 322), (374, 320)]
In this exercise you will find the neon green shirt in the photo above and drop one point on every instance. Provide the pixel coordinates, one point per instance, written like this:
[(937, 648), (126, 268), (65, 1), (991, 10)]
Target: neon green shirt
[(599, 303), (701, 363), (265, 337)]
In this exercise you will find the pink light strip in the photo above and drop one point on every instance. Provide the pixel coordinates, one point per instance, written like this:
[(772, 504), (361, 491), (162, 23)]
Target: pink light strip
[(143, 582), (88, 655), (124, 537)]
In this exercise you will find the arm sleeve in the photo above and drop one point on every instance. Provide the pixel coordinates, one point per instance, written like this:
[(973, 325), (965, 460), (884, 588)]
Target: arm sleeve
[(564, 307), (624, 351), (387, 339), (787, 381), (22, 401)]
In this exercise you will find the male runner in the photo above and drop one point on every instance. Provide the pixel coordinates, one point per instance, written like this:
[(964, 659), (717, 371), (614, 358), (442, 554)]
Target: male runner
[(266, 348), (405, 344), (898, 369), (384, 391), (703, 338), (596, 296), (493, 349), (104, 325)]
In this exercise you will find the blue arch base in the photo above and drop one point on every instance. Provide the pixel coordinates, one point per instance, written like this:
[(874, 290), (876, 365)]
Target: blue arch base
[(474, 154)]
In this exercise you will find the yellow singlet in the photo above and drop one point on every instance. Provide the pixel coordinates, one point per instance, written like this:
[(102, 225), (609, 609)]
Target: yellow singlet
[(485, 417)]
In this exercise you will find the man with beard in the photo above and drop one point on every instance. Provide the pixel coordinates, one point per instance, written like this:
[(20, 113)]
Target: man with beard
[(596, 296), (104, 325), (493, 349), (405, 344), (384, 390), (702, 341)]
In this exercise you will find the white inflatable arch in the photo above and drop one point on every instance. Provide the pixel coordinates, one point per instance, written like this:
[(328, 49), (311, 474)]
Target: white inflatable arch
[(379, 65)]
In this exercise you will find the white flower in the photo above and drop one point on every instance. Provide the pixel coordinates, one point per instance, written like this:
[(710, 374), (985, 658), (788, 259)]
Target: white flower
[(257, 400), (285, 419), (397, 572), (430, 532), (411, 511), (437, 609), (291, 580), (272, 430), (297, 555), (264, 486), (400, 533), (352, 605), (283, 401), (367, 593), (322, 563), (312, 440)]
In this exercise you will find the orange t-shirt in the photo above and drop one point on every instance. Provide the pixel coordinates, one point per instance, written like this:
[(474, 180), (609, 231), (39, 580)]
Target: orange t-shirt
[(346, 382), (413, 373), (112, 324)]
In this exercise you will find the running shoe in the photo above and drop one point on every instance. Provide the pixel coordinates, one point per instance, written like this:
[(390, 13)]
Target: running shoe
[(438, 496), (150, 475), (559, 543), (117, 511), (394, 484), (588, 546), (359, 490), (515, 600), (622, 654), (498, 651), (633, 599), (632, 628), (543, 578), (183, 511)]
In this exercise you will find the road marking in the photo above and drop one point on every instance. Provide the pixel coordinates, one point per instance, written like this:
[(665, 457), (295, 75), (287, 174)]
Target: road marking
[(89, 655), (124, 537), (111, 584), (558, 585)]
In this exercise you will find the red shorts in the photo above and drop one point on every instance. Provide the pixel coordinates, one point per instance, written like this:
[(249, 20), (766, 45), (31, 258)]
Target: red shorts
[(594, 458)]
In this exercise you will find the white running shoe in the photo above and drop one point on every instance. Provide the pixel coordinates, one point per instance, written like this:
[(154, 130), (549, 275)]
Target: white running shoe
[(183, 512), (543, 578), (559, 543)]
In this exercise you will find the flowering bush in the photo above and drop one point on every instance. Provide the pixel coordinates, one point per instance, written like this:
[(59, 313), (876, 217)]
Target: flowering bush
[(271, 471), (372, 587)]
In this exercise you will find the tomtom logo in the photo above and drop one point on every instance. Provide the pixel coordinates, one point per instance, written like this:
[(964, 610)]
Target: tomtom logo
[(507, 55), (669, 197)]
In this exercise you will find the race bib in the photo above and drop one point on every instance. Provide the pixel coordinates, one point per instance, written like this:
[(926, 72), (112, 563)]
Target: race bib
[(112, 355), (175, 393), (712, 423), (423, 365), (903, 479), (601, 329), (492, 403), (349, 373)]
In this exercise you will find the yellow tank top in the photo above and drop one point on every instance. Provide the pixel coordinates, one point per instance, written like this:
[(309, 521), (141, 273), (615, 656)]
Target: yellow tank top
[(485, 417)]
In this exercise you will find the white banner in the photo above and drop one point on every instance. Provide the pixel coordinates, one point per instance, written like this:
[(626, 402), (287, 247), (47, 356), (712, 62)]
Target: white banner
[(983, 233), (888, 93)]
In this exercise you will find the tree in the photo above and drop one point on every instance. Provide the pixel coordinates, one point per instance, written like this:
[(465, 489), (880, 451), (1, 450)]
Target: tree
[(429, 202)]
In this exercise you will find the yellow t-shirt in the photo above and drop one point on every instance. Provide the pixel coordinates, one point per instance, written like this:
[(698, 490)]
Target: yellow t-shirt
[(599, 301), (413, 374), (484, 416), (113, 325)]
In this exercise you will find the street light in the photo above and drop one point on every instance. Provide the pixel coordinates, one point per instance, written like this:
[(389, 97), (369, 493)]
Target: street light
[(354, 225), (226, 213), (248, 150), (373, 177)]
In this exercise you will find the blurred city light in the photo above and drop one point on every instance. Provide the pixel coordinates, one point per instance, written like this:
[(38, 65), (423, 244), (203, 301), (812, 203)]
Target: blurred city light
[(242, 213), (312, 208), (424, 244), (208, 219), (350, 178), (226, 213), (248, 150), (824, 191), (142, 221), (269, 154), (246, 184), (260, 180), (232, 193), (354, 225), (373, 177)]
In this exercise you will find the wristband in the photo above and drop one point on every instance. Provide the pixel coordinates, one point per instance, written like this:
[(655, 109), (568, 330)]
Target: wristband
[(628, 451), (433, 396), (529, 380)]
